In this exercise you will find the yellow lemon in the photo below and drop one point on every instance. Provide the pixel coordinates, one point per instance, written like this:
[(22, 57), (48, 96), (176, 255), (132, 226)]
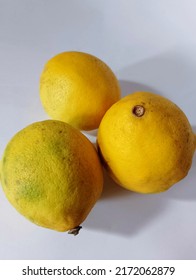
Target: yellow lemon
[(146, 142), (51, 173), (78, 88)]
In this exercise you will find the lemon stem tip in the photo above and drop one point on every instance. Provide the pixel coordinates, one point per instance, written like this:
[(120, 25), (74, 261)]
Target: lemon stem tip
[(138, 110), (75, 230)]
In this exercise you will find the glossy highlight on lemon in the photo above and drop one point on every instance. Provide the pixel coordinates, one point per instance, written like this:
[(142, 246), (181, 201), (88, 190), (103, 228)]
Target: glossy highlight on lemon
[(78, 88), (146, 143), (51, 173)]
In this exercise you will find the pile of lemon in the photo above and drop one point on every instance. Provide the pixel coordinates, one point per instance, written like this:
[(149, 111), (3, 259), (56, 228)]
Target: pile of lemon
[(53, 175)]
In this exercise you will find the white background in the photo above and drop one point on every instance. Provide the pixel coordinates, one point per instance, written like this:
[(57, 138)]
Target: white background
[(150, 45)]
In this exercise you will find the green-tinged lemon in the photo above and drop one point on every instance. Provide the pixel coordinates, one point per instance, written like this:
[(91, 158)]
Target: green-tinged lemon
[(51, 173)]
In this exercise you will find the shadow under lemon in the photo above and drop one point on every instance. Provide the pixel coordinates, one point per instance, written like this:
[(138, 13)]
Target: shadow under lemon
[(122, 212), (128, 87)]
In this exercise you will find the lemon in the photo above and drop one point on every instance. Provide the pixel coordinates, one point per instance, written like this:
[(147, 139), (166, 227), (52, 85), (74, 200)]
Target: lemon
[(51, 173), (146, 142), (78, 88)]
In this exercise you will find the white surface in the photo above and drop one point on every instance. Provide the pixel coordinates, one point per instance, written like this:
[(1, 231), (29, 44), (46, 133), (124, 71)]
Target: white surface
[(150, 45)]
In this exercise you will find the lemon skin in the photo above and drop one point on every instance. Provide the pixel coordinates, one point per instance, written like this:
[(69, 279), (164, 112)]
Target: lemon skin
[(146, 143), (51, 173), (78, 88)]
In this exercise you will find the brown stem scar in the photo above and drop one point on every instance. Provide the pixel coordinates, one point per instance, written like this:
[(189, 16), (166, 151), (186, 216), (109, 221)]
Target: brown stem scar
[(138, 110), (75, 230)]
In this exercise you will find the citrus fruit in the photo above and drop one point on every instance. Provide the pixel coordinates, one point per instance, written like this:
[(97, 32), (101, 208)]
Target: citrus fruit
[(146, 142), (78, 88), (51, 173)]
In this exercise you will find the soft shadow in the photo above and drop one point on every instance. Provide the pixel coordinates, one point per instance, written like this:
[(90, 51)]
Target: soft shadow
[(169, 73), (126, 215), (123, 212), (128, 87)]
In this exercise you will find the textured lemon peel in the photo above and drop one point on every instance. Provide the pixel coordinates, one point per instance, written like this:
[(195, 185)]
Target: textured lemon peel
[(150, 153), (78, 88), (41, 185)]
